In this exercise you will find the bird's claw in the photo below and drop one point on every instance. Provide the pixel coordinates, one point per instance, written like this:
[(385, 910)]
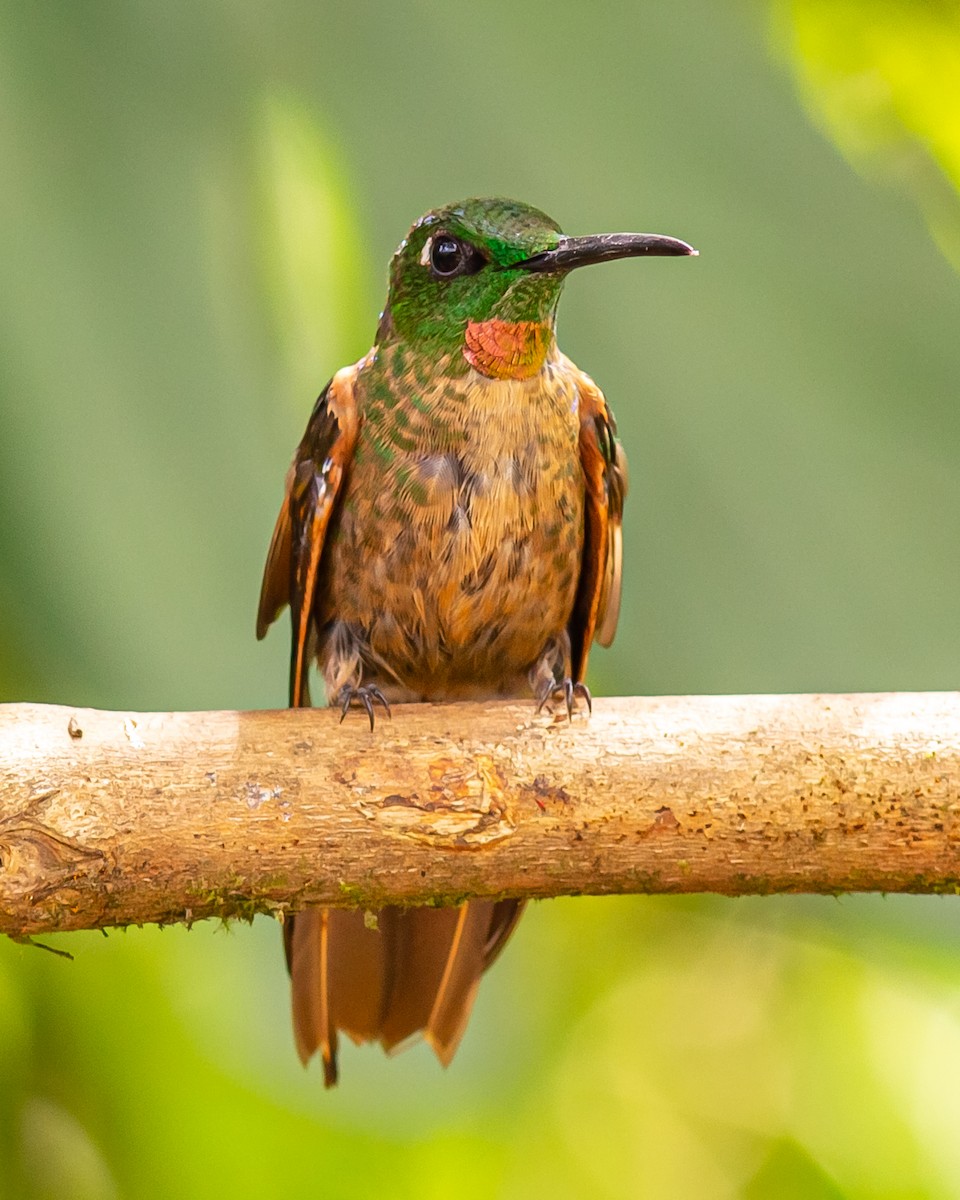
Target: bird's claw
[(568, 690), (365, 696)]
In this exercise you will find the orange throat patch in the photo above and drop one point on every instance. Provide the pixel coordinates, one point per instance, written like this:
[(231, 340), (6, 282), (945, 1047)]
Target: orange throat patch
[(506, 349)]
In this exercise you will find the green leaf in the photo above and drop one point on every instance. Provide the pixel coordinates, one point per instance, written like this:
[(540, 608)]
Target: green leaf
[(883, 81)]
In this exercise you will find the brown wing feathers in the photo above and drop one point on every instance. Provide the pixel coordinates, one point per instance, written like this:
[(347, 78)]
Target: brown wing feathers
[(597, 605), (313, 485)]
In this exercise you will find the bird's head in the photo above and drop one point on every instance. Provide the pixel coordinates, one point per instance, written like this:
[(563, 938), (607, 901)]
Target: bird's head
[(485, 276)]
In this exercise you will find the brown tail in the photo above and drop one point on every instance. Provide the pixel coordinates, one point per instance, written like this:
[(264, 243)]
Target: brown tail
[(416, 971)]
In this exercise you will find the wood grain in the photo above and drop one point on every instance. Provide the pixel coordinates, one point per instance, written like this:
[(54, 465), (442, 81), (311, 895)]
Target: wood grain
[(111, 818)]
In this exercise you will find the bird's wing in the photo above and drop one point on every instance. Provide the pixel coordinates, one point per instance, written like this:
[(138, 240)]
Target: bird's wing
[(597, 604), (314, 482)]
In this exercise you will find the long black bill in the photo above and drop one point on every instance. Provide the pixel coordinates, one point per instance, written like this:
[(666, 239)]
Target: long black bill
[(602, 247)]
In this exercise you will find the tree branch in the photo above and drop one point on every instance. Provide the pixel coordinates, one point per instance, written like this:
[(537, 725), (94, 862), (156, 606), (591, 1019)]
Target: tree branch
[(117, 818)]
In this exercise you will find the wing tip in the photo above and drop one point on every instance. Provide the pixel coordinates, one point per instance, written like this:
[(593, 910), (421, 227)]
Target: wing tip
[(275, 587)]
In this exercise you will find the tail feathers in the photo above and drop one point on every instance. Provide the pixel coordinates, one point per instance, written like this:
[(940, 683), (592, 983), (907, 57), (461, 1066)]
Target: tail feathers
[(337, 974), (506, 914), (307, 956), (418, 944), (482, 930), (356, 974), (417, 971), (461, 978)]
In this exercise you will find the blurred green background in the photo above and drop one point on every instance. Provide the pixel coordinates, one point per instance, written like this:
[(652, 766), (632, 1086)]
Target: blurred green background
[(197, 205)]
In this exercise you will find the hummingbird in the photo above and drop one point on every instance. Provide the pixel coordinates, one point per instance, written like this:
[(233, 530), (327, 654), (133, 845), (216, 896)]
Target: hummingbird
[(451, 529)]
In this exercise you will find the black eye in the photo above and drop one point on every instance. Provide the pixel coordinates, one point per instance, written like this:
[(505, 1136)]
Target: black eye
[(449, 257)]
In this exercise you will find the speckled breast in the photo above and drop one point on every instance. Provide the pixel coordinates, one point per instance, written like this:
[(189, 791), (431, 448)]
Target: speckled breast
[(458, 548)]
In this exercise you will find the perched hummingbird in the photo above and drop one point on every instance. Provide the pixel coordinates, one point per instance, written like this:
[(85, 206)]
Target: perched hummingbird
[(451, 530)]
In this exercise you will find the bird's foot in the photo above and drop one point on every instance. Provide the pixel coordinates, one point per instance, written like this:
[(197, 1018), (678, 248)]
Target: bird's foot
[(361, 697), (566, 690)]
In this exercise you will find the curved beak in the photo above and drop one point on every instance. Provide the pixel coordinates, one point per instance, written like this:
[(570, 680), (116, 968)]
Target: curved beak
[(602, 247)]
